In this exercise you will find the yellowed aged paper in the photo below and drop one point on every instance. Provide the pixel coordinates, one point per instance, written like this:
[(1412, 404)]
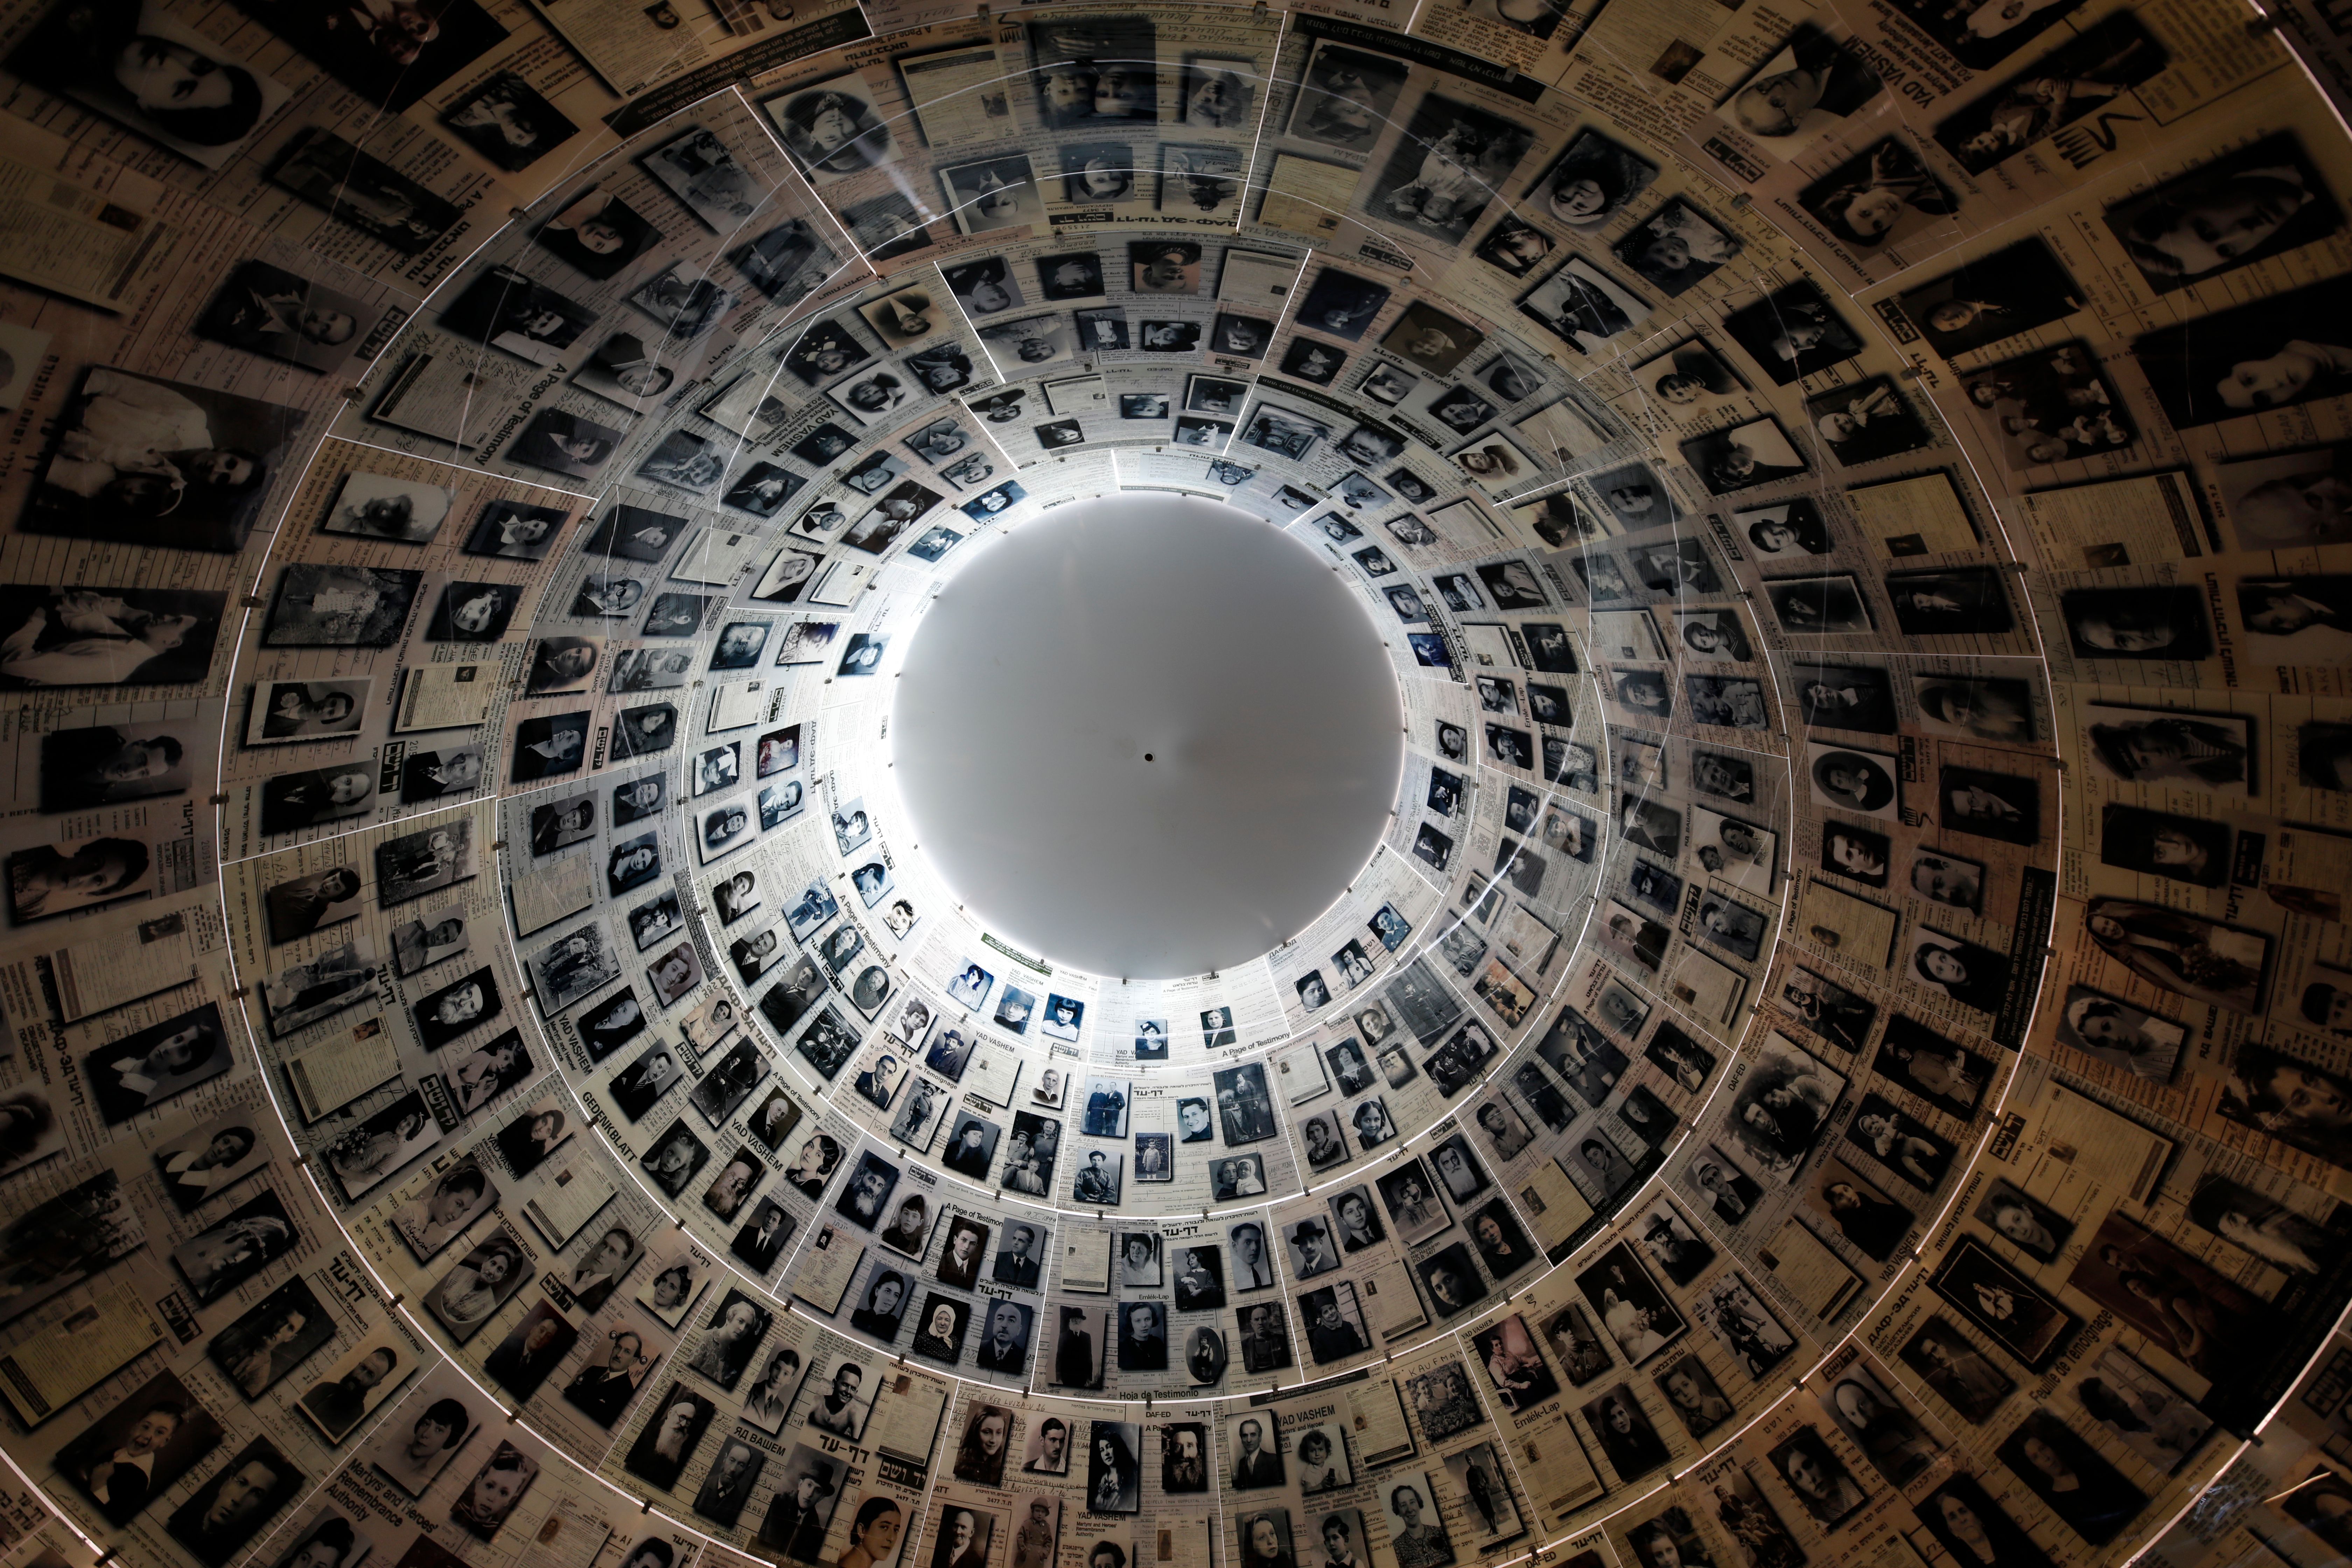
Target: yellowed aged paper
[(1850, 927), (822, 1275), (1376, 1416), (550, 894), (1086, 1260), (2118, 522), (75, 242), (1307, 195), (2088, 1141), (1809, 1270), (1559, 1210), (338, 1070), (624, 44), (905, 1420), (62, 1362), (1391, 1301), (446, 697), (1552, 1460), (1920, 516), (570, 1198), (958, 95), (117, 956)]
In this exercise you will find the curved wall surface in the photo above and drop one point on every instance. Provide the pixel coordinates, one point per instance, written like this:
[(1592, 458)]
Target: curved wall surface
[(1842, 1054)]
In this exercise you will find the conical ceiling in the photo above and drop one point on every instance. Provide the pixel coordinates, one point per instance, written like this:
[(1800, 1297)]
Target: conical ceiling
[(572, 992)]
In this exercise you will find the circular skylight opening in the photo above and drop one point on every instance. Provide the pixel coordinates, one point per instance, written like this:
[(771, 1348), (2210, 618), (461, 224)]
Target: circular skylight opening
[(1147, 735)]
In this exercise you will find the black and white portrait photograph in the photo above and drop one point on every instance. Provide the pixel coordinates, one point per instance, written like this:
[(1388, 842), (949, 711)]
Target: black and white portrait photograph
[(1809, 88), (2210, 752), (145, 461), (1824, 1488), (137, 1451), (1346, 98), (1742, 1325), (832, 128), (159, 1064), (1792, 332), (2050, 407), (1114, 1469), (626, 370), (516, 531), (1844, 697), (1883, 194), (1452, 159), (141, 67), (1622, 1429), (1780, 1108), (1865, 422), (2133, 1406), (449, 1012), (991, 194), (2003, 807), (1692, 1394), (286, 316), (702, 172), (565, 443), (223, 1516), (2089, 1495), (366, 192), (598, 234), (2144, 1043), (2092, 73), (1583, 308), (1962, 602), (1743, 456), (508, 310), (1592, 182), (1731, 925), (1676, 247), (79, 765)]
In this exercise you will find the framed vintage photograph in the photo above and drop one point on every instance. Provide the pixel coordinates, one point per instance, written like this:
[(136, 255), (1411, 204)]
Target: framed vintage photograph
[(2001, 1303)]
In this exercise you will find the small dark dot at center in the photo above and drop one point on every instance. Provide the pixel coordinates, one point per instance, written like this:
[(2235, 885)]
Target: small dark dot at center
[(1146, 756)]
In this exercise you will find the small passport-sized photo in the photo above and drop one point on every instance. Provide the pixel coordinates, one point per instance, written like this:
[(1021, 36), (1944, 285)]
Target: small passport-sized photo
[(266, 310), (599, 235), (507, 122), (141, 67), (565, 443), (324, 605), (287, 711)]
